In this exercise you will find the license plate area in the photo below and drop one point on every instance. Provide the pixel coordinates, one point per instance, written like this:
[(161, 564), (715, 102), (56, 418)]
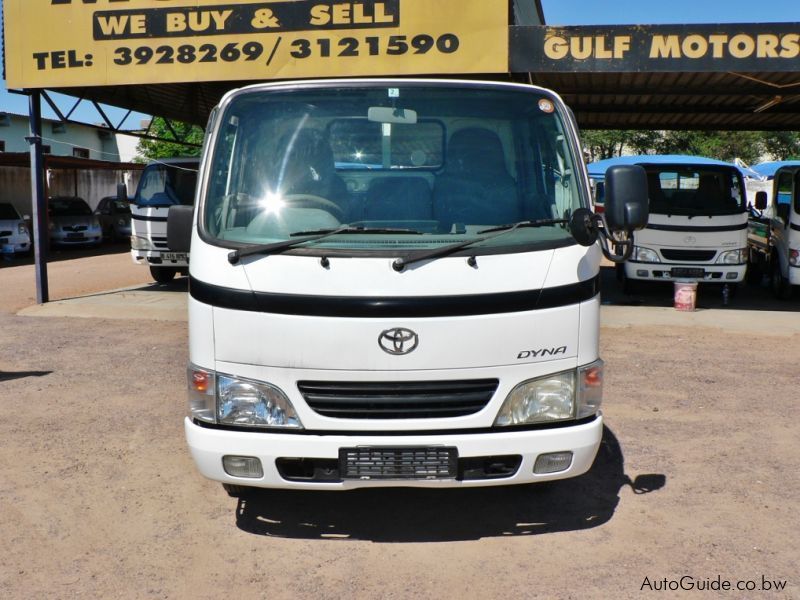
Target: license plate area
[(74, 236), (173, 256), (404, 463), (686, 272)]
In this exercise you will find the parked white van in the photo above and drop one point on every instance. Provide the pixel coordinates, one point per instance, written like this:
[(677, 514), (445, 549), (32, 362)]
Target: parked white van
[(697, 229), (164, 183), (386, 287)]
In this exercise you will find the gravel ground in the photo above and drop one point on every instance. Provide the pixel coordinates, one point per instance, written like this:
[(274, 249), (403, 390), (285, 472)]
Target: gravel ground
[(697, 476)]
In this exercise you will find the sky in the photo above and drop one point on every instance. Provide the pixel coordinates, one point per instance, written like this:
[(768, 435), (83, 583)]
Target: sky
[(556, 12)]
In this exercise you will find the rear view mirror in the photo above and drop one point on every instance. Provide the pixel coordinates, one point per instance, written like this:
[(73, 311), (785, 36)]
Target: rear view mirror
[(761, 200), (179, 227), (626, 204), (387, 114), (122, 192)]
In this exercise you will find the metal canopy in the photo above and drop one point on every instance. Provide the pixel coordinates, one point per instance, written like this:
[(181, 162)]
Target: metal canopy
[(703, 101)]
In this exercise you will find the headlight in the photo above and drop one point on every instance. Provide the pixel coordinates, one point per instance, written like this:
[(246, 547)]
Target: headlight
[(640, 254), (140, 243), (21, 229), (95, 224), (227, 400), (121, 223), (573, 394), (253, 404), (733, 257), (794, 257), (550, 398)]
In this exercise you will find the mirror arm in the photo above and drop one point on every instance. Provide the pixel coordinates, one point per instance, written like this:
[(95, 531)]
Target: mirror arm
[(615, 250)]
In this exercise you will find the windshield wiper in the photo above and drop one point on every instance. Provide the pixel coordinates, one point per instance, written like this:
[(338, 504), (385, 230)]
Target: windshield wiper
[(400, 263), (308, 236)]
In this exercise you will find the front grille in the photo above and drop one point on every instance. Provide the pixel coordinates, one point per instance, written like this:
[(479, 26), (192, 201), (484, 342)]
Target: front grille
[(5, 233), (689, 255), (75, 228), (436, 462), (160, 243), (397, 400)]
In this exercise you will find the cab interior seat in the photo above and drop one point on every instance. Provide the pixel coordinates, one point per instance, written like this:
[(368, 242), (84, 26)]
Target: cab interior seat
[(475, 187)]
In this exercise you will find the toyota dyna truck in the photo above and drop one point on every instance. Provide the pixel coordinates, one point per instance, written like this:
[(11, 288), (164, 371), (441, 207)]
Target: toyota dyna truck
[(774, 231), (163, 184), (697, 229), (396, 283)]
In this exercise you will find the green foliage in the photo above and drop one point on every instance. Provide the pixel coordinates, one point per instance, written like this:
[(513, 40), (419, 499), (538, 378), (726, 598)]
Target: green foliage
[(749, 146), (152, 149)]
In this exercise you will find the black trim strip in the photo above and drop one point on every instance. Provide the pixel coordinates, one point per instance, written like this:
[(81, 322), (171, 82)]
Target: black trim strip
[(794, 226), (393, 307), (143, 218), (398, 432), (699, 228)]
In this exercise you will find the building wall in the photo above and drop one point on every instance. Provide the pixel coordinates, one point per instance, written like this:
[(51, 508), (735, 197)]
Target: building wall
[(91, 185), (62, 139)]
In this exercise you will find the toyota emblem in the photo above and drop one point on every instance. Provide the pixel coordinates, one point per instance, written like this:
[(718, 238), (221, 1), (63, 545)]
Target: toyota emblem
[(398, 341)]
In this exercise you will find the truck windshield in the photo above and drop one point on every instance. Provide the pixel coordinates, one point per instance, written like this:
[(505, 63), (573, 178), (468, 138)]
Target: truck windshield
[(439, 164), (167, 184), (695, 190)]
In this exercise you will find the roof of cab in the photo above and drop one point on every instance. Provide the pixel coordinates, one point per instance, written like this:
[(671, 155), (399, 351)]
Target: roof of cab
[(767, 169), (598, 169)]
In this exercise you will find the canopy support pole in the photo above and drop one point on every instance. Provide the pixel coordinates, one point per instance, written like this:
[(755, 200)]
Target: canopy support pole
[(39, 201)]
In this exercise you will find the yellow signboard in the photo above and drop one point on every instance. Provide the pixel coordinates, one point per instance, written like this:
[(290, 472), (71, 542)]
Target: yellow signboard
[(70, 43)]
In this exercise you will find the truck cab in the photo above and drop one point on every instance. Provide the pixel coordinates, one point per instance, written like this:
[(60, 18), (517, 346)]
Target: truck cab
[(395, 282), (697, 228), (164, 183), (774, 232)]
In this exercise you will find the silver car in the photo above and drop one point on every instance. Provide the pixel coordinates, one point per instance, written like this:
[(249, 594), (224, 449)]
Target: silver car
[(72, 222), (14, 235), (115, 218)]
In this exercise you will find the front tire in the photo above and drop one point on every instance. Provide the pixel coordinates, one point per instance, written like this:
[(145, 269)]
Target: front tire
[(163, 274)]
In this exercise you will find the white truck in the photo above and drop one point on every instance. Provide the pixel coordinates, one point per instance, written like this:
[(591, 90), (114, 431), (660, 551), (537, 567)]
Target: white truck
[(164, 183), (395, 283), (697, 229), (774, 232)]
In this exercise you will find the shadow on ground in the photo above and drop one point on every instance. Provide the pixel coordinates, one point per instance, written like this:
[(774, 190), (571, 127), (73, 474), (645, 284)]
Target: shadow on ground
[(10, 375), (424, 515), (68, 253), (754, 297)]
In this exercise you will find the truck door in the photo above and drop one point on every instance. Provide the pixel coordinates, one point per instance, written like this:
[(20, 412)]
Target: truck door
[(781, 216)]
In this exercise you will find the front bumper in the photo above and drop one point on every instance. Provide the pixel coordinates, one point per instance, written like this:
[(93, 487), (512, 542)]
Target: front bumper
[(87, 237), (209, 445), (711, 273), (794, 274), (15, 244), (155, 258)]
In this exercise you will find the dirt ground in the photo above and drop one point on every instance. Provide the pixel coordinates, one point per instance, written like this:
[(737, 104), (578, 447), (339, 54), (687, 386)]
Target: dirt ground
[(99, 498)]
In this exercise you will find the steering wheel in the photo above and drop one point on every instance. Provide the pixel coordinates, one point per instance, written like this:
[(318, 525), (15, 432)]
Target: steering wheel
[(317, 202)]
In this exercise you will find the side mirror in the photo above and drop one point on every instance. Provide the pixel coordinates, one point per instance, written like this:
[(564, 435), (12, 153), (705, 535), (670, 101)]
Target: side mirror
[(122, 192), (582, 227), (179, 227), (761, 200), (626, 205)]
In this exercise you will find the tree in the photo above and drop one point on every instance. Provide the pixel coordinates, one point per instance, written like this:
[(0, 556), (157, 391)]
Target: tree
[(152, 149), (782, 145)]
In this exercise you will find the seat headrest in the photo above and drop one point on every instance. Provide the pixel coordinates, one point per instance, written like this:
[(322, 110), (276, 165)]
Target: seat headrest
[(475, 149)]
